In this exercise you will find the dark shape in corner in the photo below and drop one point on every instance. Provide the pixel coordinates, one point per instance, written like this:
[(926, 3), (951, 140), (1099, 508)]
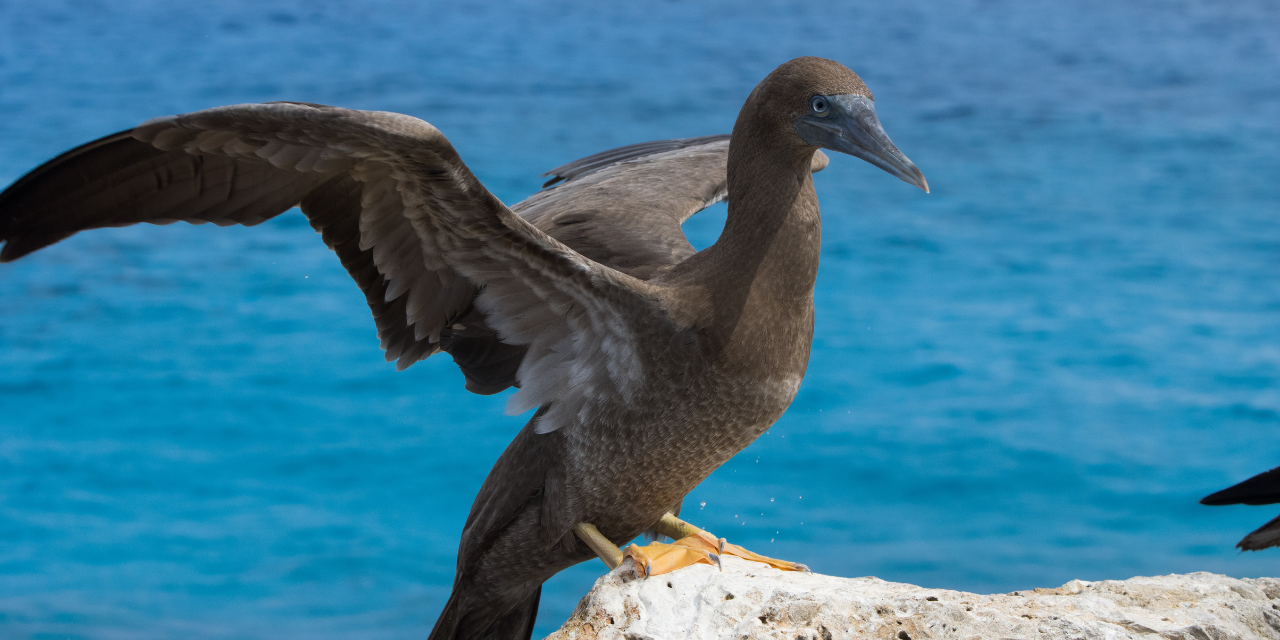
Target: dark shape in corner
[(1263, 488)]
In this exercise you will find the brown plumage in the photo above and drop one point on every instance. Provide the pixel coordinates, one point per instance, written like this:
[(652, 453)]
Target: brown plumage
[(1261, 489), (650, 365)]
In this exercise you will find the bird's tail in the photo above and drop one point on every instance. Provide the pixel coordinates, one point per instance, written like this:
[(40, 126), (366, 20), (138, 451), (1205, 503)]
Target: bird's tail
[(459, 622)]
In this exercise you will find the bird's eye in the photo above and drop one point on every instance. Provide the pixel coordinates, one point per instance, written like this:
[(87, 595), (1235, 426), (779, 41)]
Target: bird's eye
[(818, 105)]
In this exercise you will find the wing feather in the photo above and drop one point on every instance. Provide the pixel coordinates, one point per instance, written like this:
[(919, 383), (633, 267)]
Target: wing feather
[(624, 207), (579, 320), (119, 180)]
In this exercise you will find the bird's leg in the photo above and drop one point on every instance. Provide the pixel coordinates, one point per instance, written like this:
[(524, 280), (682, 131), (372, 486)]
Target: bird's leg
[(684, 533), (608, 551), (675, 528)]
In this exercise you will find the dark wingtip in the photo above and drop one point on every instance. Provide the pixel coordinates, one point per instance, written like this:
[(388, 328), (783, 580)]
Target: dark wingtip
[(1261, 489), (27, 199), (593, 163), (15, 247), (1220, 498)]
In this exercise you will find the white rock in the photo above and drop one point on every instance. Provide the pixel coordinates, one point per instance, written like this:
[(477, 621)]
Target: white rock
[(747, 600)]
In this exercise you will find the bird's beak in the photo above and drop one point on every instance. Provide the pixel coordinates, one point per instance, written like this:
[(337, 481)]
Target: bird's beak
[(852, 127)]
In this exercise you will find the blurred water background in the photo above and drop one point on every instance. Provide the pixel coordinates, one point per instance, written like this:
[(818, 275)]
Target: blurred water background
[(1029, 376)]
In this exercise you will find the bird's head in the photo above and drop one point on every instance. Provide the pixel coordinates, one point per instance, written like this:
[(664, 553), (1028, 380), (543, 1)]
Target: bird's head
[(829, 107)]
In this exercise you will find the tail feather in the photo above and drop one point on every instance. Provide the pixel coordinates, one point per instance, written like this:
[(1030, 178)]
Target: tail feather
[(447, 624), (517, 625), (460, 622)]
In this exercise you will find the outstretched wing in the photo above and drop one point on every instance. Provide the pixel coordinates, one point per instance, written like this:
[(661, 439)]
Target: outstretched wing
[(624, 207), (425, 236), (119, 180)]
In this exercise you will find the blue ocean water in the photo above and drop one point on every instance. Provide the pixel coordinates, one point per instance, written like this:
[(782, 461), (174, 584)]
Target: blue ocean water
[(1028, 376)]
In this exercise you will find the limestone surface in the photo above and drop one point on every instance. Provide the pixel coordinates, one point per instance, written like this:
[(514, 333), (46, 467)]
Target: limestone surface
[(746, 601)]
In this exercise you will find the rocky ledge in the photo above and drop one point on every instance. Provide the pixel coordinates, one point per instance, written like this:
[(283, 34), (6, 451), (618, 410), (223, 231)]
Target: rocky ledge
[(746, 601)]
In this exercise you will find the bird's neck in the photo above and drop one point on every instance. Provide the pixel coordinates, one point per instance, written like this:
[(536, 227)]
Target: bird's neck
[(752, 291), (773, 233)]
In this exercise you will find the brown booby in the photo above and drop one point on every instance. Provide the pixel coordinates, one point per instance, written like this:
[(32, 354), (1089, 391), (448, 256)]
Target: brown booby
[(649, 364), (1263, 488)]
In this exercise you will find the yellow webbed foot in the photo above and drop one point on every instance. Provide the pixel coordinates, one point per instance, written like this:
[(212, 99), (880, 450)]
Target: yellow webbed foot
[(693, 546), (657, 558), (673, 527)]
